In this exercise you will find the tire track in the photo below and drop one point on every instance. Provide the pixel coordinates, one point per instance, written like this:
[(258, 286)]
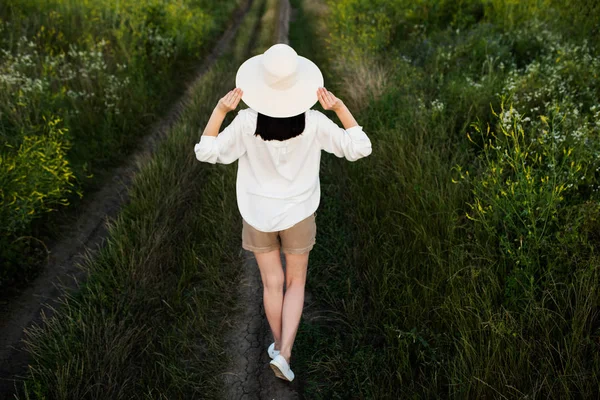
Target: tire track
[(62, 272)]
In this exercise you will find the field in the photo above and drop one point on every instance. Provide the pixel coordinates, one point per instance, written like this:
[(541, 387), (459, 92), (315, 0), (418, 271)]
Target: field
[(80, 83), (150, 319), (459, 260)]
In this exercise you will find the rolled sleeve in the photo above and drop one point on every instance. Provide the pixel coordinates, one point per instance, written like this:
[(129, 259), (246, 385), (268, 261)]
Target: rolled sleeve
[(227, 146), (352, 143)]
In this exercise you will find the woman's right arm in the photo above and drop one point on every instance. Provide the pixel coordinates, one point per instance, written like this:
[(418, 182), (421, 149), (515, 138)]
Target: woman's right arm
[(345, 116), (351, 142)]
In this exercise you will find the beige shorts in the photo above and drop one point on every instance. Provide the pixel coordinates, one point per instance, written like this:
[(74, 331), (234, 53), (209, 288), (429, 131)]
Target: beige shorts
[(297, 239)]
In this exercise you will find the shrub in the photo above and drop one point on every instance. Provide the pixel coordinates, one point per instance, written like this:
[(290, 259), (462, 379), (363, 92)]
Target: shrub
[(529, 171), (35, 178), (104, 67)]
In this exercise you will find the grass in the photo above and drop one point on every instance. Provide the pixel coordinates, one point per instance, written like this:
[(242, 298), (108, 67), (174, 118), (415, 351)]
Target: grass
[(97, 72), (149, 320), (429, 281), (424, 294)]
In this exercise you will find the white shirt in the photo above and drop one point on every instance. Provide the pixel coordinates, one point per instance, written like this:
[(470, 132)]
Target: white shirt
[(278, 181)]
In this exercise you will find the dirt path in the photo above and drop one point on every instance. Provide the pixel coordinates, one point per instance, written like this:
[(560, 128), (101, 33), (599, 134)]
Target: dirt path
[(85, 238), (250, 376)]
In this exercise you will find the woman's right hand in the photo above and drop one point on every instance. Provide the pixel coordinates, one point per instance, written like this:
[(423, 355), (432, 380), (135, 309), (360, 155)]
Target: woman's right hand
[(328, 100)]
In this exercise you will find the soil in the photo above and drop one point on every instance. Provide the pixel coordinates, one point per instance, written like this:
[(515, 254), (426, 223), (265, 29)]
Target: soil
[(62, 272), (250, 376)]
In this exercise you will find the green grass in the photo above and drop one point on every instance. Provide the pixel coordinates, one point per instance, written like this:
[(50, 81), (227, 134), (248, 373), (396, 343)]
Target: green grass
[(100, 72), (425, 295), (149, 321)]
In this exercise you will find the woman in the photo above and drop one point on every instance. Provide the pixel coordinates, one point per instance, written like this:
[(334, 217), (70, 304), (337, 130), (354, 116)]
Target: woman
[(278, 142)]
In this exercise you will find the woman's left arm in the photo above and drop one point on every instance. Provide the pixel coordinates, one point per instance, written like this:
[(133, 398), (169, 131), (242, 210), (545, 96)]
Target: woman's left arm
[(214, 123), (227, 146)]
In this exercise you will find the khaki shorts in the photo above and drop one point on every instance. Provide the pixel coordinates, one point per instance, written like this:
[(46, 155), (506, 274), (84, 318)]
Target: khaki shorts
[(297, 239)]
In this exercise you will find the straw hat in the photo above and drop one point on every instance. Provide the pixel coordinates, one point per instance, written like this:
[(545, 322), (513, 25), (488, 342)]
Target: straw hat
[(279, 83)]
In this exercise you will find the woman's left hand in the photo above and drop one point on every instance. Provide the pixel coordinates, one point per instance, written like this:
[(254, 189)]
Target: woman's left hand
[(230, 101)]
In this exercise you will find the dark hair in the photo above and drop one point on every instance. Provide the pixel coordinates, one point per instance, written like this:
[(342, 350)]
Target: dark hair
[(271, 128)]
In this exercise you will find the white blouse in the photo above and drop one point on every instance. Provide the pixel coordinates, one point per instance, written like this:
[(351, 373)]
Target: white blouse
[(278, 181)]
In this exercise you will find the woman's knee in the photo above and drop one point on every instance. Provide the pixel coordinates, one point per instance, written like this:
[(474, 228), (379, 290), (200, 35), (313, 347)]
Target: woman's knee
[(296, 266), (271, 270), (274, 282)]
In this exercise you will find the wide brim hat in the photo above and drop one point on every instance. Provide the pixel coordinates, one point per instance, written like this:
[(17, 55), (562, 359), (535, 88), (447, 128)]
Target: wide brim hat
[(279, 83)]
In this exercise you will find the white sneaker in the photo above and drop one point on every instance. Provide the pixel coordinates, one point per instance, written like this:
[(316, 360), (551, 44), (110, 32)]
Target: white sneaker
[(272, 352), (281, 368)]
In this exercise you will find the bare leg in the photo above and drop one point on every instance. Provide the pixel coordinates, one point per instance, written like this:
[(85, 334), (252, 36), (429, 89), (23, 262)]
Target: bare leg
[(293, 302), (271, 272)]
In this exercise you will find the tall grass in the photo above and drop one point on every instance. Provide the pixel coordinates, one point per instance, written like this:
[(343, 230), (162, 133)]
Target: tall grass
[(459, 260), (149, 321), (99, 72)]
